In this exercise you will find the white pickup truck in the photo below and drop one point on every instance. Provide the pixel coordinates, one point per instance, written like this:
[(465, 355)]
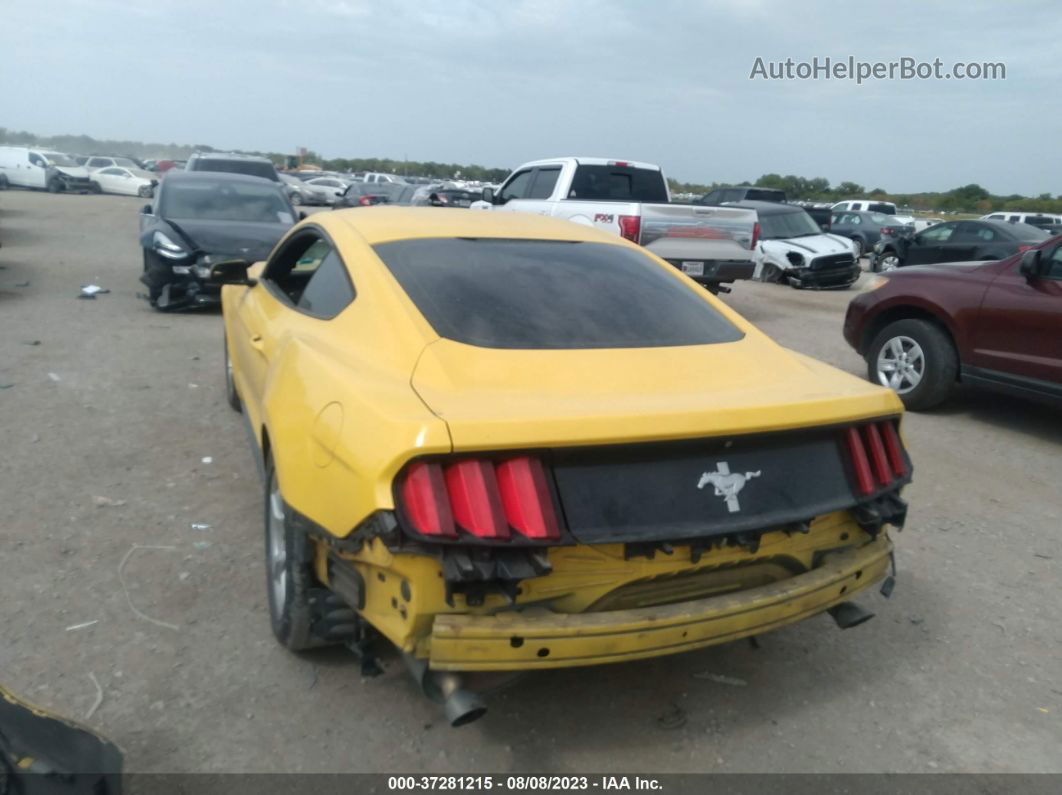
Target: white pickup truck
[(712, 245)]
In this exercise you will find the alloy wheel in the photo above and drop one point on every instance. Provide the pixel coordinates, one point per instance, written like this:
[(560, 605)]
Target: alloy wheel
[(901, 364)]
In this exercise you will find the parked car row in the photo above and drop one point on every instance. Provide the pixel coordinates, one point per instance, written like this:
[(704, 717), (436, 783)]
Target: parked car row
[(953, 241)]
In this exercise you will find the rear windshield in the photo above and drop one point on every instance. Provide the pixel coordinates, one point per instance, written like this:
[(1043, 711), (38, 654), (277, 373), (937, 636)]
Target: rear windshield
[(544, 294), (618, 184), (251, 168), (879, 207), (759, 194)]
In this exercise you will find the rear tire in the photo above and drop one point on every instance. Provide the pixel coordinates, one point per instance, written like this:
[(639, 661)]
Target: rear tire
[(916, 359), (231, 395), (289, 577)]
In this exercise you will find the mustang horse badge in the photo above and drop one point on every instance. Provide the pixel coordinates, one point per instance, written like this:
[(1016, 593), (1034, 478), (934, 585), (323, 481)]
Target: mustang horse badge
[(727, 484)]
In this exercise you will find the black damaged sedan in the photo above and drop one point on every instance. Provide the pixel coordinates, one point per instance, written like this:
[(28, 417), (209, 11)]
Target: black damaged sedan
[(201, 217)]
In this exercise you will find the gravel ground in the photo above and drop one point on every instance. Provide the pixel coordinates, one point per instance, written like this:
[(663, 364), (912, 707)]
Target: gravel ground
[(110, 410)]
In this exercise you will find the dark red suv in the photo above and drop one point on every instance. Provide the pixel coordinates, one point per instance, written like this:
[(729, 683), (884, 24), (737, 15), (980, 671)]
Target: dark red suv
[(924, 328)]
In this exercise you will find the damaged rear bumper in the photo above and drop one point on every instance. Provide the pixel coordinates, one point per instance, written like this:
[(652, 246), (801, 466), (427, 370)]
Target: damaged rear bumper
[(538, 638)]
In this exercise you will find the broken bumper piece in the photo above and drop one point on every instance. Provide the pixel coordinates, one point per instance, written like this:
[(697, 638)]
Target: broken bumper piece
[(539, 638)]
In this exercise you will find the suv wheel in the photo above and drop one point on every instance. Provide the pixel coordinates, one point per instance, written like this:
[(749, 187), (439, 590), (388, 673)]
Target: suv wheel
[(917, 360)]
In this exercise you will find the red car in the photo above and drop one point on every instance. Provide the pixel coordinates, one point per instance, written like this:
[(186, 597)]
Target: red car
[(925, 328)]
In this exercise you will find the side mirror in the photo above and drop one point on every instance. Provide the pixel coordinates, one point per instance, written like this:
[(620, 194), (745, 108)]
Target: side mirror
[(1030, 264), (488, 195), (146, 210), (231, 271)]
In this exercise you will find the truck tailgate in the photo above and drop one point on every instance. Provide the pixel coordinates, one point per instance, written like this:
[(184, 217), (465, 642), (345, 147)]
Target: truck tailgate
[(686, 231)]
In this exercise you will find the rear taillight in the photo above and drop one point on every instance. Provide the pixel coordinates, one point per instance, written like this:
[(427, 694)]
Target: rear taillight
[(755, 235), (1023, 247), (876, 456), (426, 502), (630, 226), (365, 201), (525, 496), (495, 500)]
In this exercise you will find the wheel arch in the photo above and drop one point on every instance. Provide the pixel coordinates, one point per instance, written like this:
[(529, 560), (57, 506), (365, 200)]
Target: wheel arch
[(905, 312)]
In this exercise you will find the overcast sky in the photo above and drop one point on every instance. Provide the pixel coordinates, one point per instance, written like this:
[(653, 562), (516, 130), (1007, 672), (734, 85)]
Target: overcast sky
[(498, 83)]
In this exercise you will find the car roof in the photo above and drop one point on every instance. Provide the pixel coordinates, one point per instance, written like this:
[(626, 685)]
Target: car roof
[(382, 224), (767, 208), (214, 176), (230, 156)]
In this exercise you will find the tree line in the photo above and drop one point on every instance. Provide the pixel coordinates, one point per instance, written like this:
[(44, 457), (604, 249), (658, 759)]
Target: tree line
[(968, 198)]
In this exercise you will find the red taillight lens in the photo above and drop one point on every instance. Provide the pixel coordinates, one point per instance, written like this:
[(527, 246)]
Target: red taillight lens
[(893, 449), (864, 480), (365, 201), (426, 501), (755, 235), (876, 455), (496, 500), (473, 489), (526, 499), (630, 227)]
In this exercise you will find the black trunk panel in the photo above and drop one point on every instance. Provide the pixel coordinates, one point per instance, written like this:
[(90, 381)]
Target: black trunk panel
[(649, 492)]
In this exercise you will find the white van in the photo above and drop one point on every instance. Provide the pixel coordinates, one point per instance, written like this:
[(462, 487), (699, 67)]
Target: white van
[(1046, 221), (28, 167)]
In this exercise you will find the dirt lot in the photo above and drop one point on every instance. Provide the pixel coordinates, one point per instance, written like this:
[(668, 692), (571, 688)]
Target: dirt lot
[(109, 411)]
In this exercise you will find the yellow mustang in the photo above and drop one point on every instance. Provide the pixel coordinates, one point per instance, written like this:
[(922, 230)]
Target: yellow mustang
[(506, 442)]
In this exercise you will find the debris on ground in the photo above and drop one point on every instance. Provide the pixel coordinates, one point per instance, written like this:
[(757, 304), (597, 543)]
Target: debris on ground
[(208, 459), (91, 291), (200, 526), (107, 502), (125, 587), (31, 342), (55, 377), (99, 697), (201, 545), (674, 718), (1041, 556), (83, 625), (721, 679)]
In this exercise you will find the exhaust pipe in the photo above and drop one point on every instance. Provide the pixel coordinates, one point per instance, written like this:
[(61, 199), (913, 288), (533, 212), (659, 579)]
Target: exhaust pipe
[(444, 687), (848, 614)]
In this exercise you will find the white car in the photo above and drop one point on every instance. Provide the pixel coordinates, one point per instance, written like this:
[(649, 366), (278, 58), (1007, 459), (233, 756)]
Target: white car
[(127, 181), (793, 250), (330, 188), (96, 162)]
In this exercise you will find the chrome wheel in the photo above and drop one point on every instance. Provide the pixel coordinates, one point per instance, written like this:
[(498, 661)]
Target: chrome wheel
[(277, 562), (888, 262), (901, 364)]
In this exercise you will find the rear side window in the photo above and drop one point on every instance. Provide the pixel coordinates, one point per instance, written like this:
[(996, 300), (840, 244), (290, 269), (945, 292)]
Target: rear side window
[(878, 207), (329, 290), (618, 183), (544, 294)]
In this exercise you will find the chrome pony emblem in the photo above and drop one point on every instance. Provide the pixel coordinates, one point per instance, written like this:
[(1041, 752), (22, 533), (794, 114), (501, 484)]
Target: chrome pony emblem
[(727, 484)]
